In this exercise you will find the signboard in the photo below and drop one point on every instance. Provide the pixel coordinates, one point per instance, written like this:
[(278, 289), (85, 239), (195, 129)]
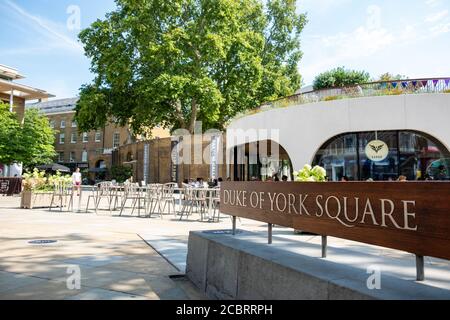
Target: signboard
[(146, 161), (4, 186), (214, 155), (175, 161), (10, 186), (409, 216), (377, 150)]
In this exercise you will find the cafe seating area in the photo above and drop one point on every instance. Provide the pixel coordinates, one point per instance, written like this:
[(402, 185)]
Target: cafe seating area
[(155, 200)]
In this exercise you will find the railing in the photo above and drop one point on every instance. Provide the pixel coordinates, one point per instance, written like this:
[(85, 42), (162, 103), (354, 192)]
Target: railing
[(379, 88)]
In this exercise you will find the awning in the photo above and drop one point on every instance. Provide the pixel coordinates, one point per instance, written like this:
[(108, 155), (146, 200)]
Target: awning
[(23, 91), (54, 167)]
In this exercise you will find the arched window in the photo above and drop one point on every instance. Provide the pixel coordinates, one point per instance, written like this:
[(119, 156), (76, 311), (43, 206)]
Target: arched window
[(416, 155)]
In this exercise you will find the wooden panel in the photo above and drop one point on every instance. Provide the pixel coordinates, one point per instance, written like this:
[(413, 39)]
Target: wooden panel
[(409, 216)]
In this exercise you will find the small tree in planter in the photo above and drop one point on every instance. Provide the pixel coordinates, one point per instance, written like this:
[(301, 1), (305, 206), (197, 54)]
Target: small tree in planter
[(38, 188), (310, 174)]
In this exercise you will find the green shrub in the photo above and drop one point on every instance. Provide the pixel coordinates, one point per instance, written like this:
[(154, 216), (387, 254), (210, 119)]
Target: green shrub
[(121, 173)]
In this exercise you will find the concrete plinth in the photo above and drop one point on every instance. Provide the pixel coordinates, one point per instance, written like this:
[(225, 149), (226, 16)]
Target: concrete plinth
[(228, 267)]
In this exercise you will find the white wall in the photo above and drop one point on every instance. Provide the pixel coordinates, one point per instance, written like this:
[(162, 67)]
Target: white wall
[(303, 129)]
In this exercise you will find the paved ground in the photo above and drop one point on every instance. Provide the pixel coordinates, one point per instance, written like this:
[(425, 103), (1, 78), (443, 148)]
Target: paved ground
[(116, 263)]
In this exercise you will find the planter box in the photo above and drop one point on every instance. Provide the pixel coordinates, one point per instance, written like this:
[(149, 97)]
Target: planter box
[(32, 200)]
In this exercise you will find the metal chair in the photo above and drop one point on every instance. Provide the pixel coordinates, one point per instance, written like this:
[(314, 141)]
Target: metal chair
[(167, 197), (93, 196), (132, 192), (188, 202), (215, 198), (61, 192), (103, 191), (154, 192)]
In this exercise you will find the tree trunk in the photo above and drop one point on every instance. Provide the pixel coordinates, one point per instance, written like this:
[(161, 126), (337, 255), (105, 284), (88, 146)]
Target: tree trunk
[(194, 112)]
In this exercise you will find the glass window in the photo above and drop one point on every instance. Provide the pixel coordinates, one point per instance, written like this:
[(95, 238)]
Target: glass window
[(73, 138), (62, 138), (60, 156), (412, 154), (85, 137), (379, 170), (52, 124), (116, 140), (84, 156), (72, 156), (339, 158), (63, 124), (98, 137), (74, 124)]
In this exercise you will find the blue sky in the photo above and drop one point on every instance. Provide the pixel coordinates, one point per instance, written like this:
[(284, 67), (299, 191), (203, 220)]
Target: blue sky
[(409, 37)]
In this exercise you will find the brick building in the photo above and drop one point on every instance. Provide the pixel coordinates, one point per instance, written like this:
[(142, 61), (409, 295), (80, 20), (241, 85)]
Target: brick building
[(158, 160), (89, 151), (16, 95)]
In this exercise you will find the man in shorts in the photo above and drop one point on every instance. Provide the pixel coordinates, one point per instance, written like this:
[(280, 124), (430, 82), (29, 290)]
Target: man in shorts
[(76, 179)]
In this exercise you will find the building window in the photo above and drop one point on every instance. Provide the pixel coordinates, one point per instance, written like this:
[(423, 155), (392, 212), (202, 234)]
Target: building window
[(63, 124), (85, 137), (412, 154), (84, 156), (60, 156), (62, 138), (98, 137), (72, 156), (116, 140), (52, 124), (74, 124), (73, 138)]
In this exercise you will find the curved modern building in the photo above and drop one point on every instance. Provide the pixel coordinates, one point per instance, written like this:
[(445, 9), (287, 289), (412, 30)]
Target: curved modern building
[(367, 136)]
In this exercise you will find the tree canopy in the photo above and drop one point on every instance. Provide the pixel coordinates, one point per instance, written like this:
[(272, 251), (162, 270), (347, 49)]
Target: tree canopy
[(391, 77), (31, 143), (173, 63), (340, 77)]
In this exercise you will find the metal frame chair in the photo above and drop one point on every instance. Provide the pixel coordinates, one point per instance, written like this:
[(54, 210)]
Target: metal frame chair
[(132, 192), (61, 191)]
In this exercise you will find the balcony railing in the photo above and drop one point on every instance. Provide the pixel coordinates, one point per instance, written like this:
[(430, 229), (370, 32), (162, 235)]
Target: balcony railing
[(372, 89)]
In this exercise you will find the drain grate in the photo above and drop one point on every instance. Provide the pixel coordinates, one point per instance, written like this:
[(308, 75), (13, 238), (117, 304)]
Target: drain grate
[(42, 241)]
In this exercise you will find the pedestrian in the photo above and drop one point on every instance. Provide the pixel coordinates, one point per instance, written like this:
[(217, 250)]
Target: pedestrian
[(76, 180)]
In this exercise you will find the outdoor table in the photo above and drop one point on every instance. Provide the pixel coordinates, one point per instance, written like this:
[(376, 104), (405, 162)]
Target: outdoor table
[(209, 198)]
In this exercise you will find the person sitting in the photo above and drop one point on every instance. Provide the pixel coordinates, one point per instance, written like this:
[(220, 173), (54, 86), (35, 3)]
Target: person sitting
[(284, 178), (402, 179)]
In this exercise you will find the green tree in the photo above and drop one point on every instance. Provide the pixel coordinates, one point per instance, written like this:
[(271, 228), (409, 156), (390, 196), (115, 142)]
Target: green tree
[(340, 77), (390, 77), (30, 144), (10, 136), (38, 138), (121, 173), (173, 63)]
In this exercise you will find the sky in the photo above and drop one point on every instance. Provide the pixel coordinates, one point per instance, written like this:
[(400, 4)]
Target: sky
[(407, 37)]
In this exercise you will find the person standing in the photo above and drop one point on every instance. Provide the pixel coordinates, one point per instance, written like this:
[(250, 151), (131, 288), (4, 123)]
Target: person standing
[(76, 179)]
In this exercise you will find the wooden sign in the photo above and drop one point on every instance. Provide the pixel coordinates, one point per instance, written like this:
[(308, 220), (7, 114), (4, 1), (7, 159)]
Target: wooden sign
[(409, 216), (10, 186)]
